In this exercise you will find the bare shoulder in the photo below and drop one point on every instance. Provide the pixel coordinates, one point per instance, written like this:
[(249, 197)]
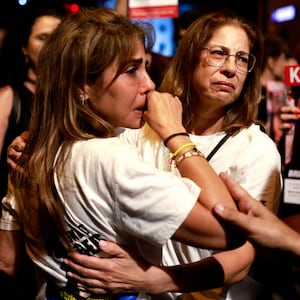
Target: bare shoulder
[(6, 100)]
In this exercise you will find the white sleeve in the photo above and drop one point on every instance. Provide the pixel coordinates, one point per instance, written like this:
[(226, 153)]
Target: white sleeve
[(9, 218)]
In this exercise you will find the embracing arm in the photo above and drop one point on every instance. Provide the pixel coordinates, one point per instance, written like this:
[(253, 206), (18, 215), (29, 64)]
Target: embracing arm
[(126, 272), (15, 149)]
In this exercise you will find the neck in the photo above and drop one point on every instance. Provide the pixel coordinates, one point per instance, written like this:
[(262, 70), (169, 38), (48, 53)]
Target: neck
[(207, 127), (207, 123), (31, 76)]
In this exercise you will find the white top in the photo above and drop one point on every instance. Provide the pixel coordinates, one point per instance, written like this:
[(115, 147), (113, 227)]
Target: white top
[(109, 192), (251, 158)]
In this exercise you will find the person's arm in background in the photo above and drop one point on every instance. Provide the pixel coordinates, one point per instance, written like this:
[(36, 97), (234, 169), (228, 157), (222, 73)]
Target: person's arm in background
[(260, 225), (6, 102), (122, 7), (288, 115)]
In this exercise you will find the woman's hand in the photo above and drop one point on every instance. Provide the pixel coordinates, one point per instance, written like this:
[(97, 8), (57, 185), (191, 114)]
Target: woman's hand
[(164, 114), (15, 149), (288, 115), (117, 271)]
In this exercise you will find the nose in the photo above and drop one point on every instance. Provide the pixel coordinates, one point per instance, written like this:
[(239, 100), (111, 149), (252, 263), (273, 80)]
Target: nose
[(229, 64), (149, 85)]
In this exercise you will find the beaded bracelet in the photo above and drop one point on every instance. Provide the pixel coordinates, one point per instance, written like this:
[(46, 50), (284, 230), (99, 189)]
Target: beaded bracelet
[(174, 135), (190, 153)]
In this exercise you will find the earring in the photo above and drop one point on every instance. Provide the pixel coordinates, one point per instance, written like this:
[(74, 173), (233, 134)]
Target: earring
[(26, 59), (82, 99)]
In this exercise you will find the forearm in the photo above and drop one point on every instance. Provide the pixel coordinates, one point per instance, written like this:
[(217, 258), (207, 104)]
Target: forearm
[(236, 263), (198, 169), (10, 249), (290, 242), (202, 275), (216, 271), (122, 7)]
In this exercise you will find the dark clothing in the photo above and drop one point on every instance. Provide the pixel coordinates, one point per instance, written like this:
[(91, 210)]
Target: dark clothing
[(16, 126), (262, 107)]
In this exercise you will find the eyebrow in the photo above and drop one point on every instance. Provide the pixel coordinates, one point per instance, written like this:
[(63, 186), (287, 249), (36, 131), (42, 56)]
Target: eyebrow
[(136, 60), (225, 48)]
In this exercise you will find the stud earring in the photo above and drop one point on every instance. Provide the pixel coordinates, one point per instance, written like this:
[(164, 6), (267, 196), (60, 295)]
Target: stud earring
[(82, 99), (26, 59)]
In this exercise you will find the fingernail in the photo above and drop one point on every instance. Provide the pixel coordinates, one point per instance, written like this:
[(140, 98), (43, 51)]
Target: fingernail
[(103, 243), (219, 207)]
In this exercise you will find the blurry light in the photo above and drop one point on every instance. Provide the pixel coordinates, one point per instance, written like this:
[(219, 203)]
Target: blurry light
[(72, 7), (284, 14), (22, 2)]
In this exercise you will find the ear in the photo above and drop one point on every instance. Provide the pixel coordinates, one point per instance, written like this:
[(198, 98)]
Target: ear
[(84, 94), (24, 50), (271, 62), (88, 91)]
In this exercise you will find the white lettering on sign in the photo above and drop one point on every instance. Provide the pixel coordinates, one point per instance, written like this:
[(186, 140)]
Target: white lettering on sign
[(292, 75)]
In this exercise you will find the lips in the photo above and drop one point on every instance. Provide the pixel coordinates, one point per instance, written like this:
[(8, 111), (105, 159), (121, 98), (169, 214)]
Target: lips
[(142, 108), (225, 83), (224, 86)]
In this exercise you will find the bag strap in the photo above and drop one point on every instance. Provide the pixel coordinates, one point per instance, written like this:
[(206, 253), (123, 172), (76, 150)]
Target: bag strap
[(217, 147), (15, 114)]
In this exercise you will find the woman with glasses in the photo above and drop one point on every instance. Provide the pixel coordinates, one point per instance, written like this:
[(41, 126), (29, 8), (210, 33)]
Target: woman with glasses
[(215, 73)]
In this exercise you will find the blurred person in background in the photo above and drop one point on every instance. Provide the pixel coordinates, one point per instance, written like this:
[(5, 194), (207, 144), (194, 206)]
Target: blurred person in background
[(276, 52), (18, 59), (20, 50)]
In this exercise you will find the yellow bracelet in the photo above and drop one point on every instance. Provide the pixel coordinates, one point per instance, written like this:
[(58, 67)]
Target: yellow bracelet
[(182, 147), (194, 152)]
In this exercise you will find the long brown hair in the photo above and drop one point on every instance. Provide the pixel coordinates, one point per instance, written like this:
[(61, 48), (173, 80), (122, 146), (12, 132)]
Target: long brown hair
[(178, 79), (77, 53)]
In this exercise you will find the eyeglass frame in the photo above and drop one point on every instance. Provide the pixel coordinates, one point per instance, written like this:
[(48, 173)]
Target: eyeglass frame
[(227, 55)]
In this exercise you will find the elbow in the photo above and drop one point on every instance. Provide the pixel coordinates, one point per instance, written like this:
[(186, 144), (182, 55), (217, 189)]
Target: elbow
[(237, 276)]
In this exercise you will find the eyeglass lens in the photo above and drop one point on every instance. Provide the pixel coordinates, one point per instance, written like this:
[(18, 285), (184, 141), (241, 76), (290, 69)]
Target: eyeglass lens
[(217, 56)]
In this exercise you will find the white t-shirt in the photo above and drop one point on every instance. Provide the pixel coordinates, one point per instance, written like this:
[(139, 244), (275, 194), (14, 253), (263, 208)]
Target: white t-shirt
[(109, 192), (251, 158)]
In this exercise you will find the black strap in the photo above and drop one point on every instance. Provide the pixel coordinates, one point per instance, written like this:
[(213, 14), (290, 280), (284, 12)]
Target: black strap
[(217, 147), (15, 114)]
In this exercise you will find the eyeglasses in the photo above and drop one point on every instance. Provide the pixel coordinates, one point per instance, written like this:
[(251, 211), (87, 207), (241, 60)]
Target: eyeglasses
[(218, 55)]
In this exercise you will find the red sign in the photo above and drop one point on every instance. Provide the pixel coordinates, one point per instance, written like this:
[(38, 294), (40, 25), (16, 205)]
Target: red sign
[(292, 75), (146, 9)]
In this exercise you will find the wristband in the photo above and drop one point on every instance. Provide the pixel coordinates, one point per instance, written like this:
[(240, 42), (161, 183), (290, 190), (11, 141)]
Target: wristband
[(174, 135), (181, 148)]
